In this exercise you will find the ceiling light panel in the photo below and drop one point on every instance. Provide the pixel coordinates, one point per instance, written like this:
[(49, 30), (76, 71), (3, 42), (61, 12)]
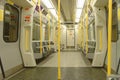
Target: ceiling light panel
[(80, 3), (77, 20), (78, 13), (47, 3), (53, 12)]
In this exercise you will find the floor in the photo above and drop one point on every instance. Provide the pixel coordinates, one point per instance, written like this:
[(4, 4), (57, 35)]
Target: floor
[(68, 59), (74, 66)]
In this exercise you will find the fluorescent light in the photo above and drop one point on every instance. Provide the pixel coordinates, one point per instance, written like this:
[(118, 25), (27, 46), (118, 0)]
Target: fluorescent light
[(80, 3), (64, 26), (77, 20), (53, 12), (78, 13), (76, 26), (47, 3)]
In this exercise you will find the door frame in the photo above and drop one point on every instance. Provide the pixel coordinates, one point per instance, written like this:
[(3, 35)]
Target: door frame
[(5, 72), (2, 69), (74, 39)]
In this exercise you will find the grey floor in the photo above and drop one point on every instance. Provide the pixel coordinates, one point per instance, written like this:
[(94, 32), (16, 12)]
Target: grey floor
[(68, 59), (74, 66)]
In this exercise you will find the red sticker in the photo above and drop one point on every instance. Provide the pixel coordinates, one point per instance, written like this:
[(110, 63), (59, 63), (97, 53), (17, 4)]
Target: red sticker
[(26, 8)]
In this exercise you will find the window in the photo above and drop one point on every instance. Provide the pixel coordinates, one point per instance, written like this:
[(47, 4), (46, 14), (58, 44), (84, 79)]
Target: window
[(11, 23), (114, 23), (36, 31)]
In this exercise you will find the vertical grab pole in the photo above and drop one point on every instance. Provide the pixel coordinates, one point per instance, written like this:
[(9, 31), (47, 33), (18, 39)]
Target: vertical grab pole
[(59, 69), (49, 29), (109, 37), (40, 13), (87, 29)]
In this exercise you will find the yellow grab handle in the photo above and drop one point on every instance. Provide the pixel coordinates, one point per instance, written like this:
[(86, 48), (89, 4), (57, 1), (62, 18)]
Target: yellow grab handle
[(27, 39), (100, 40), (59, 69), (40, 13), (109, 36)]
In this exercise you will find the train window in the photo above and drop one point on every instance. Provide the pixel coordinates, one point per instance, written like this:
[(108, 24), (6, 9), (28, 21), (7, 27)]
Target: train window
[(94, 31), (36, 31), (46, 33), (91, 31), (11, 23), (114, 23)]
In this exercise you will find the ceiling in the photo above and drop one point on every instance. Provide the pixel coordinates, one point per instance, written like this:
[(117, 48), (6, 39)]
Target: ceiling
[(70, 10), (67, 9)]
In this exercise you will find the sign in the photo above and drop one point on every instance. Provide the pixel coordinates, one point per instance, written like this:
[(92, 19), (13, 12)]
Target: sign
[(27, 18)]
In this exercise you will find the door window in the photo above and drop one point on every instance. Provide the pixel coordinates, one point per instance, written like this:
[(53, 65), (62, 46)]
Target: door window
[(11, 23)]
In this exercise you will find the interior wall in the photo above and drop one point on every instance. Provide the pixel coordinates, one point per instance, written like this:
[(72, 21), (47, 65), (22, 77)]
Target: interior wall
[(118, 42), (118, 50), (63, 36), (76, 37), (115, 54)]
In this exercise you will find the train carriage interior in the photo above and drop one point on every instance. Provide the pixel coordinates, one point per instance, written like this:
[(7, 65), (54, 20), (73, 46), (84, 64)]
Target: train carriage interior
[(59, 40)]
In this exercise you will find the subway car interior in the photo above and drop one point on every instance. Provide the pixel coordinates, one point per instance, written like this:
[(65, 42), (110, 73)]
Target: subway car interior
[(59, 40)]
